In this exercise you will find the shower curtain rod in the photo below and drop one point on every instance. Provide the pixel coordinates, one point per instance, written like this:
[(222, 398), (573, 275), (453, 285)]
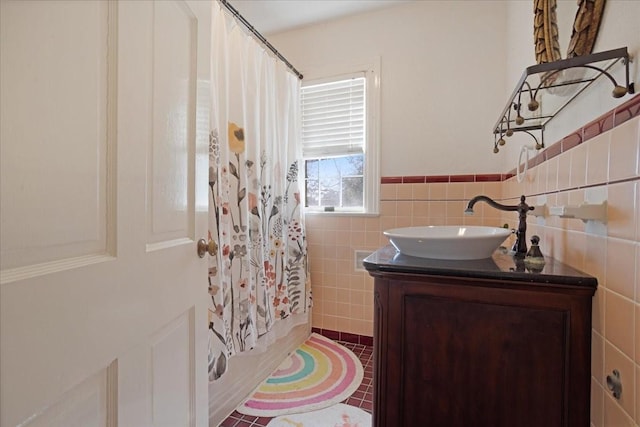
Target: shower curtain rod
[(260, 37)]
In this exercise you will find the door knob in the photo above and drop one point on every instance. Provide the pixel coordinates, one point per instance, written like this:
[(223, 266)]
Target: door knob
[(204, 247)]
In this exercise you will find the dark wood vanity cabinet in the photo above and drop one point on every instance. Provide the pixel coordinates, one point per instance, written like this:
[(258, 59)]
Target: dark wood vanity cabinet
[(481, 351)]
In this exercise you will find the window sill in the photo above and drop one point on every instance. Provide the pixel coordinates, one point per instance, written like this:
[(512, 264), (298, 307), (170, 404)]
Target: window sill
[(344, 213)]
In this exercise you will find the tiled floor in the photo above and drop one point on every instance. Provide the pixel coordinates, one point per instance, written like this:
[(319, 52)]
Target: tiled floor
[(361, 398)]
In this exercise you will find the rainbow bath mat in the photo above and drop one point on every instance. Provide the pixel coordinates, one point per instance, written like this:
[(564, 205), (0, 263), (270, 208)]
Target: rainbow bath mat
[(320, 373)]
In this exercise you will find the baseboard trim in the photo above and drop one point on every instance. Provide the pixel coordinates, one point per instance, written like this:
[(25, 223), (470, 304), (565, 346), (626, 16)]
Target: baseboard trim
[(344, 336)]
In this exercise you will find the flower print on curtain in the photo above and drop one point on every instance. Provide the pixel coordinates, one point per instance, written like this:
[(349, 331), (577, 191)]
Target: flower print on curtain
[(258, 285)]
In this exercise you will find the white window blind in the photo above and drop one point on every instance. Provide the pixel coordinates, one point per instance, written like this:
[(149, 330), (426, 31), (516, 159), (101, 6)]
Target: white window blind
[(333, 118)]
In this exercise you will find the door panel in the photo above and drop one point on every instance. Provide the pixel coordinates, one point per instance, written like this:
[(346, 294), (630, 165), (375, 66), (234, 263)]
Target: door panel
[(55, 132), (103, 310), (172, 359), (87, 405), (156, 385), (171, 150)]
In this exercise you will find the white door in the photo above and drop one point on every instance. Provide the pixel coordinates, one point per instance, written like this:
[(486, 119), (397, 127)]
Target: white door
[(104, 130)]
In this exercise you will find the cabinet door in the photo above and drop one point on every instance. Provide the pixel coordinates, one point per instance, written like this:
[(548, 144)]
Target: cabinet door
[(456, 360), (482, 364)]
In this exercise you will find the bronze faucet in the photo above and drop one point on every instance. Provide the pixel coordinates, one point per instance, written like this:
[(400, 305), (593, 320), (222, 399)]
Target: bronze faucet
[(520, 247)]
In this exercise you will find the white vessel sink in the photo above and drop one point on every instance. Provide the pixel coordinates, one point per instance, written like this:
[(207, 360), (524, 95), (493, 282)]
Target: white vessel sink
[(455, 242)]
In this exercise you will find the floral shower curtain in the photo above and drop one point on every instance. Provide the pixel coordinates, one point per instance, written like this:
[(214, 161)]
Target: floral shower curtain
[(258, 281)]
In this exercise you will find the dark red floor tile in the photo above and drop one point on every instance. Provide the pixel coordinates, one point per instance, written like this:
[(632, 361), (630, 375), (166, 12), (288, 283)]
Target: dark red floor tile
[(358, 394), (353, 401)]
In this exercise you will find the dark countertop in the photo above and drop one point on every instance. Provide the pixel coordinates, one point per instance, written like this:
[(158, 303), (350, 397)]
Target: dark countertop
[(500, 266)]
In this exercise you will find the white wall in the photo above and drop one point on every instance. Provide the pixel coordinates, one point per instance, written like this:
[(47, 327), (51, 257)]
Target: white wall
[(447, 69), (620, 27), (443, 68)]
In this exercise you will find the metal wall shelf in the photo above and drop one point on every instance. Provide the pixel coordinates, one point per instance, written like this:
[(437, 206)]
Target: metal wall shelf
[(545, 89)]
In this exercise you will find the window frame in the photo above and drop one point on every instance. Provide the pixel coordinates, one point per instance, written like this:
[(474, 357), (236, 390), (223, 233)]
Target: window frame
[(371, 148)]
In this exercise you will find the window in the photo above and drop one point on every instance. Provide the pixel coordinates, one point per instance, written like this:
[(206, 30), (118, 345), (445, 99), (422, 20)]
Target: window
[(339, 143)]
